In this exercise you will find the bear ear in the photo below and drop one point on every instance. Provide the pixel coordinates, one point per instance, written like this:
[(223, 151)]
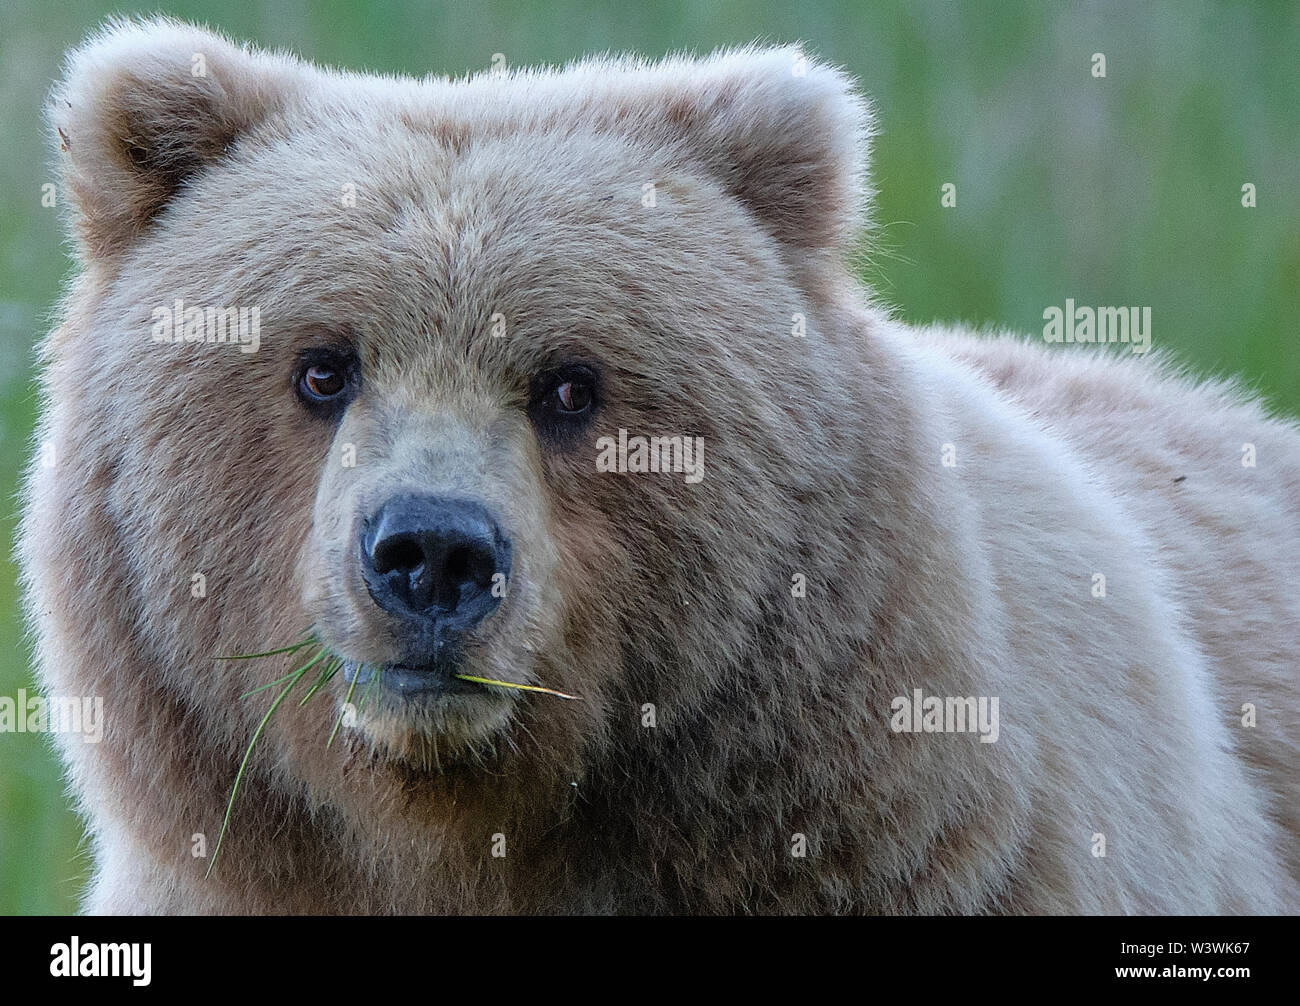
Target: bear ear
[(142, 108), (786, 135)]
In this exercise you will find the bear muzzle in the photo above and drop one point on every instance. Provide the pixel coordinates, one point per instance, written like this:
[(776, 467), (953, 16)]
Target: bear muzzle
[(437, 567)]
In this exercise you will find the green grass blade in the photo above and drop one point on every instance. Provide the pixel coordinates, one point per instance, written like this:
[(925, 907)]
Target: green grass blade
[(369, 686), (277, 681), (270, 653), (327, 672), (512, 684), (346, 699), (230, 804)]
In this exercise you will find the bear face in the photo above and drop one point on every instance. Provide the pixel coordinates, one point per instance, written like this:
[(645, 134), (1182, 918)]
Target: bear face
[(437, 269)]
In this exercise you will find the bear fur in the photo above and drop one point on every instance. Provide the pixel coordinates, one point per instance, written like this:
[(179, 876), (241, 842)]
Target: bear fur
[(945, 500)]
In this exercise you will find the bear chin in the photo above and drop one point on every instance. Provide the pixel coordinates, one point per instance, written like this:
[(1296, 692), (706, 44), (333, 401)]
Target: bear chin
[(430, 718), (431, 737)]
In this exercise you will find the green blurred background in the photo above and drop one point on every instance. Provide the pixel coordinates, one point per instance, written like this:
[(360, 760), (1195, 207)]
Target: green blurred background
[(1123, 190)]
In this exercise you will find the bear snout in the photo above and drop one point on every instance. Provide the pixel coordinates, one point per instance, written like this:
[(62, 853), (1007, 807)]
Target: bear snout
[(439, 566)]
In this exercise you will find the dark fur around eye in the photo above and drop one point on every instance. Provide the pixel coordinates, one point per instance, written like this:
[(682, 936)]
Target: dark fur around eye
[(563, 401), (326, 380)]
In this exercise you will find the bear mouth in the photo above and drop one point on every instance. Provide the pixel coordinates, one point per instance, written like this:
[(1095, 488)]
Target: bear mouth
[(406, 680)]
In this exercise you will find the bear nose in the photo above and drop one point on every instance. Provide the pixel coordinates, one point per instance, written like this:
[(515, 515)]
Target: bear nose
[(431, 557)]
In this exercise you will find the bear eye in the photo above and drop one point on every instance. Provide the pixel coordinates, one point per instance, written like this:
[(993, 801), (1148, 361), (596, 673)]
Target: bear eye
[(325, 380), (321, 382), (563, 400), (573, 396)]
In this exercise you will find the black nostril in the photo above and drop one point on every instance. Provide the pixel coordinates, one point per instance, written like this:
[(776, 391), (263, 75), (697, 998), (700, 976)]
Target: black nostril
[(430, 557), (401, 552), (469, 565)]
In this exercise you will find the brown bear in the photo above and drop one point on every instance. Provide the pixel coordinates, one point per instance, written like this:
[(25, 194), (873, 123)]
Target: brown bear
[(560, 379)]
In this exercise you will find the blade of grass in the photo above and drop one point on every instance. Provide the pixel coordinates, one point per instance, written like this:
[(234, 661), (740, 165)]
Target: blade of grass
[(346, 699), (270, 653), (327, 672), (512, 684), (230, 804), (369, 685), (272, 684)]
